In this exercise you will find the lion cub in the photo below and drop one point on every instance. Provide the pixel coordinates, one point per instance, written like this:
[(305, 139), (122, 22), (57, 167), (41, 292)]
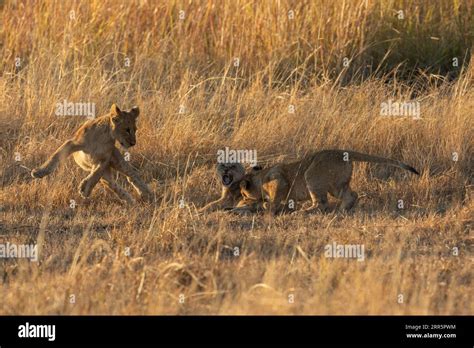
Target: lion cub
[(313, 177), (229, 175), (93, 148)]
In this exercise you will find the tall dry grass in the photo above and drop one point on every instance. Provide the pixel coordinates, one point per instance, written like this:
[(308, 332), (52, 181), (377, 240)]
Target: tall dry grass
[(82, 56)]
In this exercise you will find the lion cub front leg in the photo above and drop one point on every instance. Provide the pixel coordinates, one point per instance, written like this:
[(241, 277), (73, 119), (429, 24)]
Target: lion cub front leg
[(58, 156), (86, 185), (216, 205), (223, 202), (246, 206), (109, 182), (119, 164)]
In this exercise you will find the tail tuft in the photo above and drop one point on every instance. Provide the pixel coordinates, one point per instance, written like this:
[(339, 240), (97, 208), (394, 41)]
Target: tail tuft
[(38, 173), (410, 168)]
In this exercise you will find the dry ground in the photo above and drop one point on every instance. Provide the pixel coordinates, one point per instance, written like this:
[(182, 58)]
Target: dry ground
[(164, 258)]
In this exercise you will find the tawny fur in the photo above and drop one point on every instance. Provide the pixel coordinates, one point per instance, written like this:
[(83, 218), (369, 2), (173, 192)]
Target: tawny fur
[(312, 178), (93, 149)]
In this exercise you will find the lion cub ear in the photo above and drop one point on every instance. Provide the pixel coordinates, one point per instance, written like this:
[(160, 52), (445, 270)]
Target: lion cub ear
[(115, 114), (114, 110), (135, 111)]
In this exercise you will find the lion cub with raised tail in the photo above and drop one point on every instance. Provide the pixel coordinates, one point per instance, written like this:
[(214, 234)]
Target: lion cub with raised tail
[(93, 149)]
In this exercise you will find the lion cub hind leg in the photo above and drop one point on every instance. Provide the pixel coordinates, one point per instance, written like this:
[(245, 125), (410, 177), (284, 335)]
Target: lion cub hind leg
[(108, 181), (319, 200), (349, 199), (58, 156), (316, 184)]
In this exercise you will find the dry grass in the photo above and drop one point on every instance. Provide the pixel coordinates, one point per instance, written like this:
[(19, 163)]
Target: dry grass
[(173, 63)]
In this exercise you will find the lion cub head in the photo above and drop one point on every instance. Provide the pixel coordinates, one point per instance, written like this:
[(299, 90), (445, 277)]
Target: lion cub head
[(230, 173), (124, 125)]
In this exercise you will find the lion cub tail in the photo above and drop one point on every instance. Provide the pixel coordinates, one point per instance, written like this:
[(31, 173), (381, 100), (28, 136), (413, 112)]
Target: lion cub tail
[(362, 157)]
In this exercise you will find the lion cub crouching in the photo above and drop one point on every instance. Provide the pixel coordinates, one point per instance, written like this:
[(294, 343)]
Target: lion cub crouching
[(93, 148), (312, 178), (230, 175)]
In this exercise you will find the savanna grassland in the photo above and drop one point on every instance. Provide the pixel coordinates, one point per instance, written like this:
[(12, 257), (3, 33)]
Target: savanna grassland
[(279, 77)]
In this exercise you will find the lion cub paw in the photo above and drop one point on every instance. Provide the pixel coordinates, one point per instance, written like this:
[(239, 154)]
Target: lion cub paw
[(84, 189)]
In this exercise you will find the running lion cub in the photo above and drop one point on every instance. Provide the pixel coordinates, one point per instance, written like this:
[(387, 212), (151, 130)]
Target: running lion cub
[(93, 148)]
